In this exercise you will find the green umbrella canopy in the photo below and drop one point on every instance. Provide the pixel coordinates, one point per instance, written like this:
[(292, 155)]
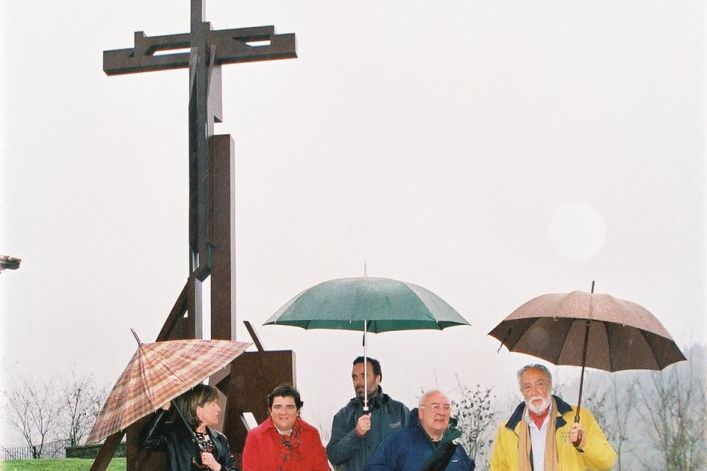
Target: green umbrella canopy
[(383, 303)]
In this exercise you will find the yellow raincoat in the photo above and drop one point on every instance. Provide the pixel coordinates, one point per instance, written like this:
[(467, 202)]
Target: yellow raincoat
[(595, 454)]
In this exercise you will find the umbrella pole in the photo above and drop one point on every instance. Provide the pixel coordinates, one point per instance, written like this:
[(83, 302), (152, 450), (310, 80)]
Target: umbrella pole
[(581, 382), (184, 421), (584, 354), (365, 368), (584, 362), (195, 459), (581, 377)]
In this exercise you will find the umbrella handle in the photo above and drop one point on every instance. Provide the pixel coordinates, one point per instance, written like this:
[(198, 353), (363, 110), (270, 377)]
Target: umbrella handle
[(578, 441)]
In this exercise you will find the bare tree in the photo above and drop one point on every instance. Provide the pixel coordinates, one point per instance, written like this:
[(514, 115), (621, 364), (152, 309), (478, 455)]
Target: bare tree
[(32, 412), (674, 411), (80, 402), (621, 405), (475, 414), (613, 408)]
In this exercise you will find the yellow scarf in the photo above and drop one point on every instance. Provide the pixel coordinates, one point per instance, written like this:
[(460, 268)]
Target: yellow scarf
[(524, 444)]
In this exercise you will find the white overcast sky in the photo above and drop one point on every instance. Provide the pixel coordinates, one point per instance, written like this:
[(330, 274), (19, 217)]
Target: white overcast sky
[(488, 151)]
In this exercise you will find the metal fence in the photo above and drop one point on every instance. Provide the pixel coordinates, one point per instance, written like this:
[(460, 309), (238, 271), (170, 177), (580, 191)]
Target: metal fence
[(53, 449)]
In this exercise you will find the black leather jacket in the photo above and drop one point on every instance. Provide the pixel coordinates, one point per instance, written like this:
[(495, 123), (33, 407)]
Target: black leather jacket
[(174, 438)]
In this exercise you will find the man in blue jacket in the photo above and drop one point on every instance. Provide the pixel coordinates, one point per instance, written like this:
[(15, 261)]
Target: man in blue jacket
[(427, 443), (356, 433)]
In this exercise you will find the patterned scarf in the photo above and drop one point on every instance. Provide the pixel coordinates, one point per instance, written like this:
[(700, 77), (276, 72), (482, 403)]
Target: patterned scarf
[(524, 444), (290, 448)]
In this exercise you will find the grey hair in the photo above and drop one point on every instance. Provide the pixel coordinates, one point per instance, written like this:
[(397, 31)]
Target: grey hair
[(535, 366), (427, 394)]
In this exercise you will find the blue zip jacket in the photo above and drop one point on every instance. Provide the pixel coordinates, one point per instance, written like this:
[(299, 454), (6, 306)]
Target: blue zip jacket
[(409, 448), (347, 449)]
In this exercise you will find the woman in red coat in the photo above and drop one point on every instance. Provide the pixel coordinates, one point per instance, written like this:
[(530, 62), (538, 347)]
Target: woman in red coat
[(284, 442)]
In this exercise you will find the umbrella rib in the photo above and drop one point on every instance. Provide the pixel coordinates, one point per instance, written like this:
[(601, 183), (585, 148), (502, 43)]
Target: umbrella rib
[(564, 339), (606, 326), (143, 383), (650, 346)]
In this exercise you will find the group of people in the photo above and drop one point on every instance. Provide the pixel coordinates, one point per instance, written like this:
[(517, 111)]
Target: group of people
[(384, 435)]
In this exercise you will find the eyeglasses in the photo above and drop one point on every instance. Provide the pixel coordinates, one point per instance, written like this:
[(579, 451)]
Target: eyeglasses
[(439, 408)]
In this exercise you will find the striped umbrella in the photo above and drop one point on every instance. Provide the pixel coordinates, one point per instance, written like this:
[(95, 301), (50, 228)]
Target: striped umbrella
[(157, 373)]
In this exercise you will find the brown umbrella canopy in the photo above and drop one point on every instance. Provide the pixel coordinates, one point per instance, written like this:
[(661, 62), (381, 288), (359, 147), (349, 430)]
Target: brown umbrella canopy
[(622, 335)]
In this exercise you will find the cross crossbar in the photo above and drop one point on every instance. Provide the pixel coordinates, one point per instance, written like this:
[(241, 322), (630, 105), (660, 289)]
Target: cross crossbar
[(231, 46)]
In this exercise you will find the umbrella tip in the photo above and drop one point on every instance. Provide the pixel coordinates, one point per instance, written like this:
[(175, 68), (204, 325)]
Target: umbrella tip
[(508, 334), (592, 286), (136, 337)]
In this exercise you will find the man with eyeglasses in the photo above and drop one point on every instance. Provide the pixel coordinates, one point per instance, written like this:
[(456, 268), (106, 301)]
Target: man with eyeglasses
[(427, 443), (541, 435), (284, 442), (355, 432)]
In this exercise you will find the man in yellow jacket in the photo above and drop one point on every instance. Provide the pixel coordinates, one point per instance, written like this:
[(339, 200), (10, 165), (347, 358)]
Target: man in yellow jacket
[(541, 435)]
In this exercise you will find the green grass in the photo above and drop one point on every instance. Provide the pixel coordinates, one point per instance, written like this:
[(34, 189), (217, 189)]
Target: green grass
[(66, 464)]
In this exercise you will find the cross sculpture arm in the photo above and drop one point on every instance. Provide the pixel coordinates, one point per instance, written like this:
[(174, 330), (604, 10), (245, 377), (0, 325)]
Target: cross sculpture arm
[(230, 46)]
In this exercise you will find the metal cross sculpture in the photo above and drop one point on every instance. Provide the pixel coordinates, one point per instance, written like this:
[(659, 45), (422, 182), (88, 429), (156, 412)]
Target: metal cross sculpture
[(211, 211)]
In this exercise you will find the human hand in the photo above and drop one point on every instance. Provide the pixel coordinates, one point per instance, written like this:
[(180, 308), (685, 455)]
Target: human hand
[(166, 405), (363, 425), (208, 460), (577, 435)]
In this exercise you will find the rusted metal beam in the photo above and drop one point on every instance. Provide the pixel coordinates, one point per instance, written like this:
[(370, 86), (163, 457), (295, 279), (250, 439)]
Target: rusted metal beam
[(254, 336), (177, 313), (232, 46), (222, 232), (105, 454)]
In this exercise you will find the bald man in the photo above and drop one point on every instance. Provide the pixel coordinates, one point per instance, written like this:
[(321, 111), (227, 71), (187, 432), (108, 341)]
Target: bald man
[(427, 442)]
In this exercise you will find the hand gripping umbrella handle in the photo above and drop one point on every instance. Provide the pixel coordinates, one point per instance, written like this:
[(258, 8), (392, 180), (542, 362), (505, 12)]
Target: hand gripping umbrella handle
[(577, 442)]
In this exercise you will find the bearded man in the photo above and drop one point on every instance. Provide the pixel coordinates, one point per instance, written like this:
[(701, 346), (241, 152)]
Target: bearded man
[(541, 435), (355, 432)]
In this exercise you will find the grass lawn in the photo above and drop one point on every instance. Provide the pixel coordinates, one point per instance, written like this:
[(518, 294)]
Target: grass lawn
[(65, 464)]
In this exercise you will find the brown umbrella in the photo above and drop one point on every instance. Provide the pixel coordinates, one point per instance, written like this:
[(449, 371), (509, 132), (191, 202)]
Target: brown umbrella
[(157, 373), (588, 329)]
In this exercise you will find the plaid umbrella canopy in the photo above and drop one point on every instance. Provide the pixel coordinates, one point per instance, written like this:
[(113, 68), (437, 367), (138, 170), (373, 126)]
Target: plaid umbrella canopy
[(157, 373)]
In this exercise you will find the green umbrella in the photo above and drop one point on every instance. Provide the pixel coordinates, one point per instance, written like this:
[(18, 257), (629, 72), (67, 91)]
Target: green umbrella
[(367, 304)]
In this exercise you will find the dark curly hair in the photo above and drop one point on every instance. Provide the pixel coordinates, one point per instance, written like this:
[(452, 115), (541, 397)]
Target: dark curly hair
[(285, 390)]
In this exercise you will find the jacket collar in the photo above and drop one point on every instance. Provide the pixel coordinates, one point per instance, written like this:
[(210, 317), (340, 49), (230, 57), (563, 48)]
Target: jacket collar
[(562, 408), (270, 425), (374, 402), (449, 435)]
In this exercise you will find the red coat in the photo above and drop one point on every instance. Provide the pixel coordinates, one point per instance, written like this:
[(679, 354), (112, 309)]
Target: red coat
[(266, 450)]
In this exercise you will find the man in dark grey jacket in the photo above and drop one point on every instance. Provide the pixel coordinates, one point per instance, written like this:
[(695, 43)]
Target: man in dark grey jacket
[(355, 433)]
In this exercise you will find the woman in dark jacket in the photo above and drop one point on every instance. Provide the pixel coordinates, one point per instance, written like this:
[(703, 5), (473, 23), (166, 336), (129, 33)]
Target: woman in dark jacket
[(200, 448)]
